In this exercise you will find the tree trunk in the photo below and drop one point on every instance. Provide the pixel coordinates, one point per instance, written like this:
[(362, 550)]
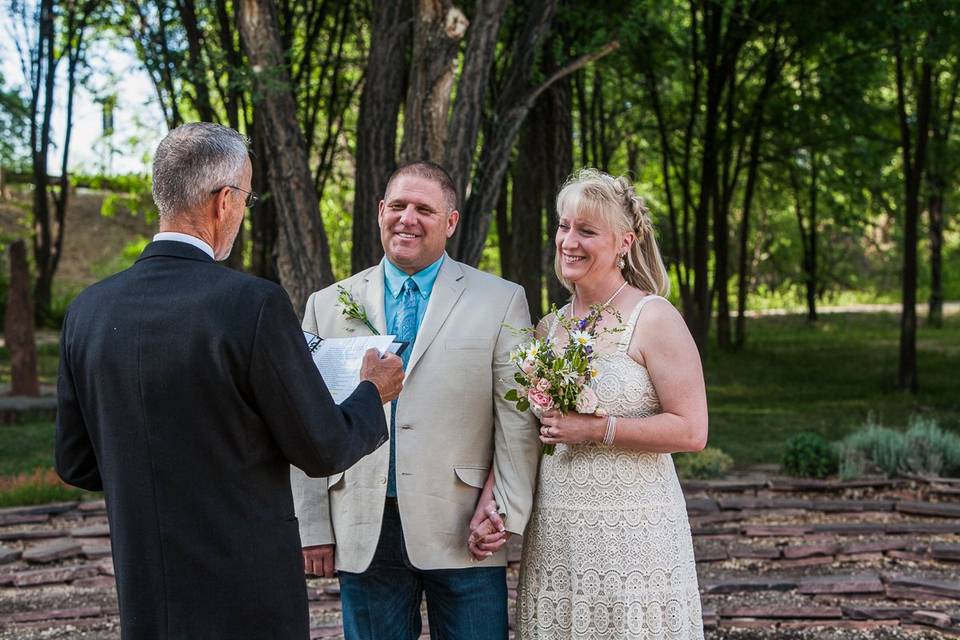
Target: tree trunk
[(438, 27), (263, 217), (42, 241), (700, 318), (811, 261), (503, 231), (914, 159), (558, 123), (526, 219), (303, 258), (471, 92), (512, 106), (18, 326), (771, 74), (196, 69), (377, 127), (935, 211)]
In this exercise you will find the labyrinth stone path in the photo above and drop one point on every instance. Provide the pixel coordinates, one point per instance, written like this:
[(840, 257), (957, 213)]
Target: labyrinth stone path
[(777, 558)]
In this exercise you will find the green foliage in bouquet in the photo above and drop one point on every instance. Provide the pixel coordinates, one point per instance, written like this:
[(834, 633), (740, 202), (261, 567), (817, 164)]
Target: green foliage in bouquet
[(552, 376), (808, 455)]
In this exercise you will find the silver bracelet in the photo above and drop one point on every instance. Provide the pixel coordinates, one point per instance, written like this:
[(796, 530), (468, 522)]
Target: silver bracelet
[(611, 430)]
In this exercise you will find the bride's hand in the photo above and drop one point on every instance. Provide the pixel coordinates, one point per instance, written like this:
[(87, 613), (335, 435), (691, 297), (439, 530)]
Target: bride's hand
[(571, 428)]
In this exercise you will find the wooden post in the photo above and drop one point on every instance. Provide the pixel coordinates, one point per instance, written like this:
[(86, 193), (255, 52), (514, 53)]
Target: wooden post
[(18, 325)]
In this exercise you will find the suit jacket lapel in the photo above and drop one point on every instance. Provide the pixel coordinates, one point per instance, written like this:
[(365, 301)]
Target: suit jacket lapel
[(372, 298), (446, 291)]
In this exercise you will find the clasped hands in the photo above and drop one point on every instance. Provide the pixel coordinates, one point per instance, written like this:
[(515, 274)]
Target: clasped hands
[(487, 532)]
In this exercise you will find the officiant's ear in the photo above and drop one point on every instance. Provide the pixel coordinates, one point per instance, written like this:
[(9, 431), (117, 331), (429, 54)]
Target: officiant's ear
[(452, 219)]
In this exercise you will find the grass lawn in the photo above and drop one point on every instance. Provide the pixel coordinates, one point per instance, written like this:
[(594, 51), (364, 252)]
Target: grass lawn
[(26, 461), (24, 447), (827, 378)]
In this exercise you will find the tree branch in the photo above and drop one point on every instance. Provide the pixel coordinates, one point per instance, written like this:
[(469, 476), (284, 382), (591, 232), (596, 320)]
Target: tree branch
[(570, 67)]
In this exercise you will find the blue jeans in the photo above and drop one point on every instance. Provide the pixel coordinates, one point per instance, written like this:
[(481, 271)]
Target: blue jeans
[(383, 602)]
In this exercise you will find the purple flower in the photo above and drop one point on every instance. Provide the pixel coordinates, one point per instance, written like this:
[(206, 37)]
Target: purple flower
[(582, 324), (589, 350)]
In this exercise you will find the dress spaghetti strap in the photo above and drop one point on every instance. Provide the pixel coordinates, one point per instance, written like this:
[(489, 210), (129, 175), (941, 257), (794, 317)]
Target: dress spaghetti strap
[(632, 320)]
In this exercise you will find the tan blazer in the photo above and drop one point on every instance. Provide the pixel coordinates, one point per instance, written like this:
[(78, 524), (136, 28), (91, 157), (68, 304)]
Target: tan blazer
[(452, 423)]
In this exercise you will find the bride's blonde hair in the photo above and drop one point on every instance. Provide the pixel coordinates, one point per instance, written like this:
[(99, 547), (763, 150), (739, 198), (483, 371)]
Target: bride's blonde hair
[(593, 194)]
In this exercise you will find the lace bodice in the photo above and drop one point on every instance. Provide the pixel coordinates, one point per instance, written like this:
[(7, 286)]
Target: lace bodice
[(608, 553)]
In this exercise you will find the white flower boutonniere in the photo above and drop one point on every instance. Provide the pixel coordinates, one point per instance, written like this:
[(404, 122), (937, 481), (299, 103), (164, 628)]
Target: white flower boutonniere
[(352, 309)]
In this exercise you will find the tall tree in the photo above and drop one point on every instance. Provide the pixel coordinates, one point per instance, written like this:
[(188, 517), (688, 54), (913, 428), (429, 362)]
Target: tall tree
[(377, 126), (50, 32), (914, 133), (438, 27), (940, 175), (303, 256)]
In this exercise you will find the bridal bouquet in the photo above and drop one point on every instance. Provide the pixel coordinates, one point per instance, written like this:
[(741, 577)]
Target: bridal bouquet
[(552, 376)]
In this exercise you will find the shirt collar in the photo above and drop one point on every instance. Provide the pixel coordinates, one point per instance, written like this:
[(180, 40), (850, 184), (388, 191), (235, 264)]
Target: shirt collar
[(176, 236), (394, 277)]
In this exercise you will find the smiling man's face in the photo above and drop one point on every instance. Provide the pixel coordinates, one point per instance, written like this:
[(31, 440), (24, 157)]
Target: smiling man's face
[(415, 222)]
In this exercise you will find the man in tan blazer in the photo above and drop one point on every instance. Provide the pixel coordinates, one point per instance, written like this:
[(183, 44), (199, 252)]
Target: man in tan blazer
[(397, 523)]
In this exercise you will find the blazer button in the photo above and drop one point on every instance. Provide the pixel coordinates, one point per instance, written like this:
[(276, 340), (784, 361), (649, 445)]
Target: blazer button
[(405, 426), (383, 480)]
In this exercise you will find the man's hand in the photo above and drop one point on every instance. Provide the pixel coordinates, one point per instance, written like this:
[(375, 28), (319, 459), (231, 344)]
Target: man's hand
[(386, 373), (487, 533), (318, 560)]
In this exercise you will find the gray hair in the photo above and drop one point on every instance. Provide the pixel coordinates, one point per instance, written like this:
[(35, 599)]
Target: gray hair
[(193, 161)]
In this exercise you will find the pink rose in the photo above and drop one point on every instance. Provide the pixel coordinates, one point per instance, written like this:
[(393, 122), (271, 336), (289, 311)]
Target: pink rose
[(528, 366), (543, 384), (540, 399), (586, 401)]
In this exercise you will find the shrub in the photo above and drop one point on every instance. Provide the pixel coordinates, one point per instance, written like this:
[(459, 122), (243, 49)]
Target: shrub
[(924, 449), (808, 455), (702, 465)]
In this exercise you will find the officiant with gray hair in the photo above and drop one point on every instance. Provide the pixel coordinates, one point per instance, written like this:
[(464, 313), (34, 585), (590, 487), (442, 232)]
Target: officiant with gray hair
[(185, 392)]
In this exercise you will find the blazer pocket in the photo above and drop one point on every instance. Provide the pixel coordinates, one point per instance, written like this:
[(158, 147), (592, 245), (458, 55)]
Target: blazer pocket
[(335, 481), (460, 344), (473, 476)]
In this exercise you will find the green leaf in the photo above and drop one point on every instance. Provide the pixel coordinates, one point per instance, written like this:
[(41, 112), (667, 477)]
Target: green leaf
[(512, 395)]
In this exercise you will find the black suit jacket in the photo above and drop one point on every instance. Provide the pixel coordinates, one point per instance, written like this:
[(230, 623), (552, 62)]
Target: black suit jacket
[(185, 393)]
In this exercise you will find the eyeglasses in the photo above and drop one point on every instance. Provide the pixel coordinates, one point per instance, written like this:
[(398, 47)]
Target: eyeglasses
[(251, 196)]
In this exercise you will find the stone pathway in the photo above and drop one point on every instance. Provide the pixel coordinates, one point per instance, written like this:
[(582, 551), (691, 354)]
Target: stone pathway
[(777, 558)]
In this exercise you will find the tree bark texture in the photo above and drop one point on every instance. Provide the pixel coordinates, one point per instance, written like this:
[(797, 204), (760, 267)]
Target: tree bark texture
[(526, 210), (18, 327), (303, 256), (376, 127), (438, 27), (471, 92), (914, 159), (558, 158)]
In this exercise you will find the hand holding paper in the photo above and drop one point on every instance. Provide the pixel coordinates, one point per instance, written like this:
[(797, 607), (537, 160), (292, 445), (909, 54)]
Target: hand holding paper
[(385, 372), (345, 362)]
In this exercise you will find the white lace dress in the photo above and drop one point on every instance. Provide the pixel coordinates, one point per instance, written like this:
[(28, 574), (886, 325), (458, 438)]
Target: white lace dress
[(608, 553)]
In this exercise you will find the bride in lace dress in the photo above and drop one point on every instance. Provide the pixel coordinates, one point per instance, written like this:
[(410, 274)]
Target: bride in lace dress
[(608, 552)]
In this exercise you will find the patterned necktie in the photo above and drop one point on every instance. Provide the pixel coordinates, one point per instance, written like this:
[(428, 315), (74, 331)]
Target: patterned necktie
[(405, 328), (406, 325)]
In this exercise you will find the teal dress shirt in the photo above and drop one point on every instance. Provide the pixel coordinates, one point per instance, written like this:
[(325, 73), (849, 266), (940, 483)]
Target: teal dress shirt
[(393, 279)]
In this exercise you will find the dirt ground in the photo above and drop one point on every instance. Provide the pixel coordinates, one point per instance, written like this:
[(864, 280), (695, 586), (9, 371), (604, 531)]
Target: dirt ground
[(91, 242)]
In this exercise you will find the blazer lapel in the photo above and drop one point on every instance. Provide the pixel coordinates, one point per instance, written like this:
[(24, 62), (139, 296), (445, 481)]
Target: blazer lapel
[(446, 291), (372, 298)]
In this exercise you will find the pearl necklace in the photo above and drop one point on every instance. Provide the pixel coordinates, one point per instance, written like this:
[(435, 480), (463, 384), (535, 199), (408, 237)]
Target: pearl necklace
[(573, 303)]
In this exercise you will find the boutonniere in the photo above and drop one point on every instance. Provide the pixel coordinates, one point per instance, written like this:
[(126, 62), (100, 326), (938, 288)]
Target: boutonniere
[(352, 309)]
